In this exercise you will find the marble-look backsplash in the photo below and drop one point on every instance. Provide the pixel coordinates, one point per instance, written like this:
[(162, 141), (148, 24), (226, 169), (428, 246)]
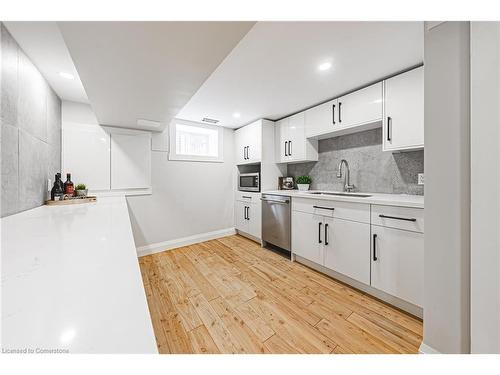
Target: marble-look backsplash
[(372, 170)]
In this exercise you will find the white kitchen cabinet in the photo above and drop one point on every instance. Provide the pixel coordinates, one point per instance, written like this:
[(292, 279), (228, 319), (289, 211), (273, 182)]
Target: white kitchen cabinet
[(247, 214), (321, 120), (248, 143), (292, 144), (347, 248), (360, 107), (307, 236), (86, 155), (397, 265), (357, 111), (403, 127), (130, 160)]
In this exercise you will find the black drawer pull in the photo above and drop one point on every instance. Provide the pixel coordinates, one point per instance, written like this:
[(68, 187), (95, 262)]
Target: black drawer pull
[(324, 208), (246, 196), (375, 248), (326, 234), (398, 218)]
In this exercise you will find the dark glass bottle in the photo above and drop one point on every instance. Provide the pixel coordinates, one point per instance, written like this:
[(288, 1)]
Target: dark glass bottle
[(57, 192), (69, 187)]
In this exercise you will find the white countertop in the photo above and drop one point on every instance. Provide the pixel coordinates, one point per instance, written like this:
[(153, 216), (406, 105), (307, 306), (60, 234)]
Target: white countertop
[(401, 200), (71, 281)]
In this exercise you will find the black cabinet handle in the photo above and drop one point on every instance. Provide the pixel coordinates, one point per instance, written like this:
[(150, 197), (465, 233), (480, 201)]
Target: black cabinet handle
[(248, 152), (398, 218), (340, 106), (319, 233), (248, 213), (333, 114), (286, 145), (246, 196), (245, 212), (326, 234), (389, 121), (375, 248), (324, 208), (289, 148)]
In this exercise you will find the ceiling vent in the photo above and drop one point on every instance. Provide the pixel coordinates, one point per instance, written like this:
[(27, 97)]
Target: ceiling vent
[(148, 123), (210, 120)]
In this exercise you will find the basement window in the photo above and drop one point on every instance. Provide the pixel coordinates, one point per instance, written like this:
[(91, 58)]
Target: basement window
[(192, 141)]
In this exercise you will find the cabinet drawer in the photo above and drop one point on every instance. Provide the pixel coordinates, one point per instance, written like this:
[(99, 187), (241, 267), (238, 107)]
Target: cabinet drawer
[(398, 217), (343, 210), (246, 196)]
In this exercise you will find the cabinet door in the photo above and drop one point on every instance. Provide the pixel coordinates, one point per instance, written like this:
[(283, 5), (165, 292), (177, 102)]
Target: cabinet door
[(253, 140), (93, 169), (321, 119), (241, 223), (281, 136), (254, 219), (296, 137), (347, 248), (307, 236), (360, 107), (398, 263), (130, 161), (404, 111), (240, 145)]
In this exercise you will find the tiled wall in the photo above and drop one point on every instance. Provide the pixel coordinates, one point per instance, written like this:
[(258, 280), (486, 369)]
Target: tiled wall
[(372, 170), (31, 130)]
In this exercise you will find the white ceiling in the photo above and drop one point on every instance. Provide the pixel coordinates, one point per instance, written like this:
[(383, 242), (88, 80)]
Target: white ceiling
[(146, 70), (160, 70), (44, 45), (273, 71)]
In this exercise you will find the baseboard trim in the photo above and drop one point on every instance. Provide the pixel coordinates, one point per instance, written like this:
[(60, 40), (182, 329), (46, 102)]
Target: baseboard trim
[(426, 349), (184, 241)]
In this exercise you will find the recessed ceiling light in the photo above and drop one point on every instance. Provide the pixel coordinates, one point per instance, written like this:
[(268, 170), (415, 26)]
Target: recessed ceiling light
[(236, 115), (325, 66), (66, 75)]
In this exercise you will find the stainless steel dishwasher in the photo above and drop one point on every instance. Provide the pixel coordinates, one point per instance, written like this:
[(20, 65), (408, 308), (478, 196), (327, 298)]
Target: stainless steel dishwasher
[(276, 220)]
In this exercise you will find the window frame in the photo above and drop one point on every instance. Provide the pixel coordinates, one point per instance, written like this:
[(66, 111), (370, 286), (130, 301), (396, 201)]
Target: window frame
[(173, 155)]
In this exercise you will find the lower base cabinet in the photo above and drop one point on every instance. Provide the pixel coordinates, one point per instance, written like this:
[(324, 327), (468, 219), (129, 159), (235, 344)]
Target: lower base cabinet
[(347, 248), (340, 245), (397, 263), (248, 218), (307, 236)]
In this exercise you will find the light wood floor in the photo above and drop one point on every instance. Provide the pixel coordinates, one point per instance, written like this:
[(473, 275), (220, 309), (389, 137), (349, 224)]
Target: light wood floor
[(232, 296)]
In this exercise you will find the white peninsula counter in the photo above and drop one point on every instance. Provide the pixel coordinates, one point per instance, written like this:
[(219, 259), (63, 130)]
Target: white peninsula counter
[(71, 281)]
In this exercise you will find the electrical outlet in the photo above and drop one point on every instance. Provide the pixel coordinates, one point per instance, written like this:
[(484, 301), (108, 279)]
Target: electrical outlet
[(420, 179)]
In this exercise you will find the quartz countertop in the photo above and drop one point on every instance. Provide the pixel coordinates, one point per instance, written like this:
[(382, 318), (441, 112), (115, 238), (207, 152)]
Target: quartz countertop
[(401, 200), (71, 281)]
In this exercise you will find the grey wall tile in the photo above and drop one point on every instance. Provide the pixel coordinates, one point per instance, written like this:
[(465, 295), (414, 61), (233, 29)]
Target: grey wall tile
[(10, 165), (372, 170), (31, 130), (32, 103), (33, 161), (9, 95)]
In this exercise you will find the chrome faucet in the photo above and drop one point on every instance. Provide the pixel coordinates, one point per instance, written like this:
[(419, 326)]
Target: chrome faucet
[(347, 186)]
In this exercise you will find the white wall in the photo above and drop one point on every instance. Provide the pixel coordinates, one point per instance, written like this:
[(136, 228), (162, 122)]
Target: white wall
[(485, 187), (447, 188), (189, 198), (78, 113)]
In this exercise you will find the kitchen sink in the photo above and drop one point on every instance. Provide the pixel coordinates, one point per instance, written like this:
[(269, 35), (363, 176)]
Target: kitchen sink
[(358, 195)]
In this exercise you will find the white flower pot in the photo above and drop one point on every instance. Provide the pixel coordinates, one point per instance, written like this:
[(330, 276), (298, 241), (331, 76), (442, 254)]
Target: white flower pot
[(303, 187)]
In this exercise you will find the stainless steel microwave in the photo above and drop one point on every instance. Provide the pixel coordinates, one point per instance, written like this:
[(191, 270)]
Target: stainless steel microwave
[(249, 181)]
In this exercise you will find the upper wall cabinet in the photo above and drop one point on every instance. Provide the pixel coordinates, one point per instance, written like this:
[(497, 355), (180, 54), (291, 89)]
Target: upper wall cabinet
[(292, 145), (404, 111), (130, 160), (359, 110), (248, 143), (86, 155)]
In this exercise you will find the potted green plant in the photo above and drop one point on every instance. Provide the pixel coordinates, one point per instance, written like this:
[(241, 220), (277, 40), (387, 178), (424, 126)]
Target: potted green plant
[(81, 190), (303, 182)]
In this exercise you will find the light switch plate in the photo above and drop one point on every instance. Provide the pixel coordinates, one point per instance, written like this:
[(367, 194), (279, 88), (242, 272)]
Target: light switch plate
[(420, 179)]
